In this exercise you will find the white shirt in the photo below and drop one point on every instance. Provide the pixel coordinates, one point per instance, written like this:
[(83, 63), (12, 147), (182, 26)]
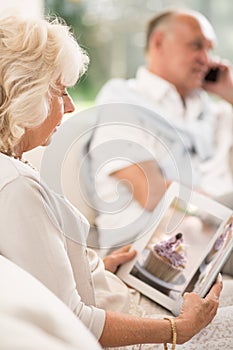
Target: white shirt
[(45, 235), (209, 122)]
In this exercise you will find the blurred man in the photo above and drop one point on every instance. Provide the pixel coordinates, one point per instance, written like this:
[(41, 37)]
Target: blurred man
[(178, 48)]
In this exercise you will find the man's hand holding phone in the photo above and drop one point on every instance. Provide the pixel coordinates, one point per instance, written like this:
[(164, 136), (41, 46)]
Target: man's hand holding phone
[(212, 75), (219, 80)]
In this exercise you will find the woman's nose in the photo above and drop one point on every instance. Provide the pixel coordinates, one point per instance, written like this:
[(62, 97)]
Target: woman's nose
[(69, 105)]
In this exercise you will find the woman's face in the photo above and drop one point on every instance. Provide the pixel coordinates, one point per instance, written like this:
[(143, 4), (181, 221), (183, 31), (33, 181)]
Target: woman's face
[(60, 104)]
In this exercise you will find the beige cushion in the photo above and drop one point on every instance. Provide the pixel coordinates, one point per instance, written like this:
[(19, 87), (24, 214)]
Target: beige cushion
[(31, 317)]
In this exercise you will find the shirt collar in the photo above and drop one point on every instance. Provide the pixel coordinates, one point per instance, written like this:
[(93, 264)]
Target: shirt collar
[(161, 90), (159, 87)]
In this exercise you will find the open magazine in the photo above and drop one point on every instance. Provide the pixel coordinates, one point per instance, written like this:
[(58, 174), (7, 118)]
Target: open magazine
[(183, 251)]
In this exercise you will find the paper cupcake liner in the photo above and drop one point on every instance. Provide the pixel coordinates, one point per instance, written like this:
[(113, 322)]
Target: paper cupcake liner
[(160, 268)]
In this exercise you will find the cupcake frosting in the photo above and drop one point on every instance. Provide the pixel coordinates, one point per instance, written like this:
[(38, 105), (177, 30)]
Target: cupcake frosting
[(222, 238), (172, 250)]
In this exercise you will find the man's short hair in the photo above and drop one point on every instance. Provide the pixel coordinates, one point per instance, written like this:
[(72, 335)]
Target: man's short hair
[(161, 18)]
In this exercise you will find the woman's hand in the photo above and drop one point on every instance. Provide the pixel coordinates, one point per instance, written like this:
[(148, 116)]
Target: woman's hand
[(118, 257), (197, 312)]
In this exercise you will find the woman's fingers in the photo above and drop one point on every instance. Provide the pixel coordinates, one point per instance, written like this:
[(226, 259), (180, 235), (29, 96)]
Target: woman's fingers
[(198, 312), (126, 248), (216, 289), (118, 257)]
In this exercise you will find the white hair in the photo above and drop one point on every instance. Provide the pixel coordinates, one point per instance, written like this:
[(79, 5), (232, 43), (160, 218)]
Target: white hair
[(37, 56)]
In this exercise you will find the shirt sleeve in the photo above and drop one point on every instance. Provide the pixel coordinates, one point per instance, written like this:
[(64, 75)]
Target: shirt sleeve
[(31, 237), (114, 147)]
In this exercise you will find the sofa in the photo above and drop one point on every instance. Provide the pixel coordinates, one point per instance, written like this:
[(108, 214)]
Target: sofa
[(32, 317)]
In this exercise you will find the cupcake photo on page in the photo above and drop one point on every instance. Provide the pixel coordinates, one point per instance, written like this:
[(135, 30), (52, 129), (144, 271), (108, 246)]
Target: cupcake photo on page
[(167, 258), (220, 242)]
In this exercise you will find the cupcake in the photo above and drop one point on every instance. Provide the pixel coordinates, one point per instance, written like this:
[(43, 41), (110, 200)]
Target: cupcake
[(220, 242), (167, 259)]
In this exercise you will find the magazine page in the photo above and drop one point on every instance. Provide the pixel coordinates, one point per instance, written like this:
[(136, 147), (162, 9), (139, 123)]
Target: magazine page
[(185, 250)]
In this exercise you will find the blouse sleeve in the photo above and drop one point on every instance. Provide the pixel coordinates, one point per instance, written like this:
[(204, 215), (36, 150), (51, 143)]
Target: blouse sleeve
[(31, 236)]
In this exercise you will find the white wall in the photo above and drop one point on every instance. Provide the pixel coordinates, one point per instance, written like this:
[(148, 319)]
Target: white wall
[(31, 8)]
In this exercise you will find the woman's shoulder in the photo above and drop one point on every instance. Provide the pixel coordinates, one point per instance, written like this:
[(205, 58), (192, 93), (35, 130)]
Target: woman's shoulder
[(13, 169)]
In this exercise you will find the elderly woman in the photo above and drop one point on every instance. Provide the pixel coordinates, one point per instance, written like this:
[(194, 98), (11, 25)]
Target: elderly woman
[(41, 232)]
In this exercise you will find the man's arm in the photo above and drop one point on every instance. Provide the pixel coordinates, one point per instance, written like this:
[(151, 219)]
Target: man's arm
[(146, 182)]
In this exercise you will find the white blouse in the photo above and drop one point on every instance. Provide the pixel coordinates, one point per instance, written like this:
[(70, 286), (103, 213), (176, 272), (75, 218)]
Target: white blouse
[(44, 234)]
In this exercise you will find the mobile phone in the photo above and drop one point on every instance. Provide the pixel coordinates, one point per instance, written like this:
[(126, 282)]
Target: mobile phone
[(212, 75)]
